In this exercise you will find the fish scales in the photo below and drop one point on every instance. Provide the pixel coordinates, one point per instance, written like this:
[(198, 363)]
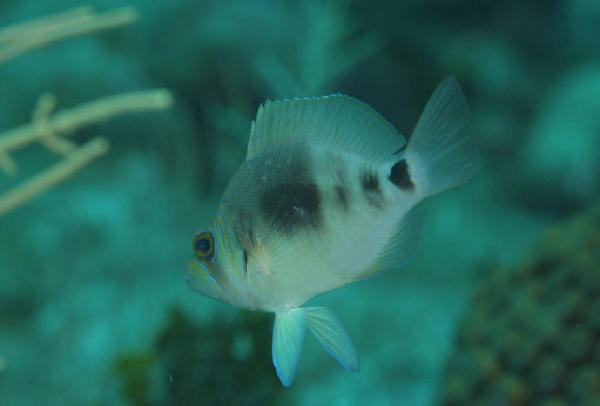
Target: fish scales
[(305, 214)]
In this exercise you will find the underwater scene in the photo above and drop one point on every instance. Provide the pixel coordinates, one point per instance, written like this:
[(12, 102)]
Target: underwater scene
[(317, 202)]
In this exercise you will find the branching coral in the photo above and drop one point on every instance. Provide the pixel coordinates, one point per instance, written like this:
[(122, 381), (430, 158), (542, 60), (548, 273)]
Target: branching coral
[(23, 37), (51, 129)]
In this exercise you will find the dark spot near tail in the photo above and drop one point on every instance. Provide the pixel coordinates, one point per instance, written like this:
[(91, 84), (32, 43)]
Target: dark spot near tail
[(292, 206), (400, 176), (371, 189), (342, 197)]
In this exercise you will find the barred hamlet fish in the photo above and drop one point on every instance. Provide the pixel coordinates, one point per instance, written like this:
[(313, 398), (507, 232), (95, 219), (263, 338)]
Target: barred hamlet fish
[(323, 199)]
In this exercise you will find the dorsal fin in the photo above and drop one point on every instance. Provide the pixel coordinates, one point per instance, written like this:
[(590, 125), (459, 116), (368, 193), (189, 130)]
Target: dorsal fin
[(336, 121)]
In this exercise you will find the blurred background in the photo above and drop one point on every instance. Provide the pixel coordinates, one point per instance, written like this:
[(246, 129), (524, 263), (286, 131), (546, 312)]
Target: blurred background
[(501, 304)]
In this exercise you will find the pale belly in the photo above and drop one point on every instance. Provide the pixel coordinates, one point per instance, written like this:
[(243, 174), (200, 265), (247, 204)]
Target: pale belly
[(314, 264)]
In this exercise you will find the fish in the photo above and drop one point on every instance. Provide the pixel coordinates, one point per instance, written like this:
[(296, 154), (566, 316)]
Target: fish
[(326, 197)]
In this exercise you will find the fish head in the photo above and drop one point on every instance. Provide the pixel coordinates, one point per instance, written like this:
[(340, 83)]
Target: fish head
[(217, 267)]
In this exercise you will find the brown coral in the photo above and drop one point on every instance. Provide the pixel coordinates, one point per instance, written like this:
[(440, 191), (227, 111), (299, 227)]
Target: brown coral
[(533, 335)]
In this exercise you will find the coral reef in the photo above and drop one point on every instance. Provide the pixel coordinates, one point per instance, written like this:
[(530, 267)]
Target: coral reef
[(533, 335), (220, 362)]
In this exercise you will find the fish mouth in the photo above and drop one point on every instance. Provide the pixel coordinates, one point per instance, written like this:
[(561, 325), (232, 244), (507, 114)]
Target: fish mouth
[(199, 278)]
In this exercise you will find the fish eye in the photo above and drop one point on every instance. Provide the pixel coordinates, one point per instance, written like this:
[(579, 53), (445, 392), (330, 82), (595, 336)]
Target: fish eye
[(204, 246)]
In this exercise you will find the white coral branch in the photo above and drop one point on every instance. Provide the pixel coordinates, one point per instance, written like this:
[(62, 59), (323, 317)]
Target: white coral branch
[(68, 121), (65, 123), (20, 38), (51, 129), (57, 173)]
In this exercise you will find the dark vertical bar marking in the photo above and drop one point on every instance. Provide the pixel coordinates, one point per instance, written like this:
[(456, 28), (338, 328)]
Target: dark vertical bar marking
[(371, 188), (291, 200)]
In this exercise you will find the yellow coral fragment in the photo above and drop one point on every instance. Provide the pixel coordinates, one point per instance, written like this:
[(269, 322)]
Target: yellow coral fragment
[(54, 175), (50, 129), (65, 123), (21, 38)]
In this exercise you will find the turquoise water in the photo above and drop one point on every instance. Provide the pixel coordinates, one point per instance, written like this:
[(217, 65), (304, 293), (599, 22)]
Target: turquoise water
[(94, 308)]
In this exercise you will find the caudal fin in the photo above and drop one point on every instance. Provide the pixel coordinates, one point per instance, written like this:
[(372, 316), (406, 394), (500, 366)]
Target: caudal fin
[(440, 154), (289, 332)]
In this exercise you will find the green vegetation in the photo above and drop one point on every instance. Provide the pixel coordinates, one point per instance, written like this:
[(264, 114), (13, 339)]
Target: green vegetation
[(219, 362)]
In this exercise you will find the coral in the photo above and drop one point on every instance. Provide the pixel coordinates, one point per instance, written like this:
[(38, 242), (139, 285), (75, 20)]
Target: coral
[(203, 363), (49, 130), (534, 334), (46, 130), (20, 38)]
